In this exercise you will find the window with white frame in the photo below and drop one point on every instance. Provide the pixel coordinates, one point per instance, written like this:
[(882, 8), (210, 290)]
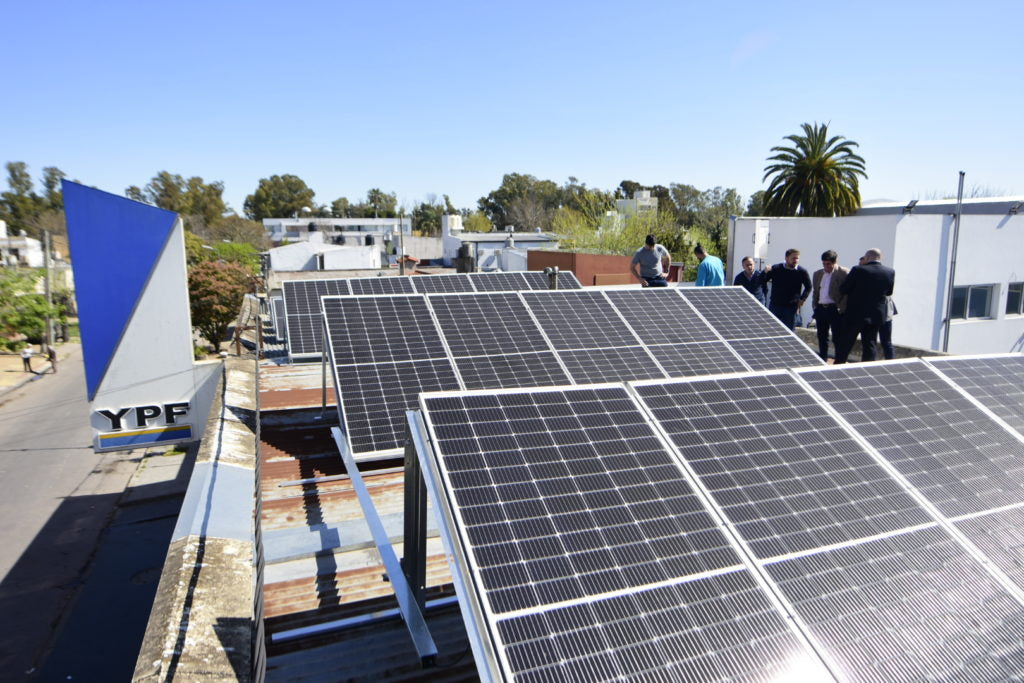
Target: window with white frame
[(974, 301), (1015, 298)]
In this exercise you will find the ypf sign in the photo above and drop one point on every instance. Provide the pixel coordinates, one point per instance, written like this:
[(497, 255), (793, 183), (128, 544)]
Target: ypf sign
[(133, 426)]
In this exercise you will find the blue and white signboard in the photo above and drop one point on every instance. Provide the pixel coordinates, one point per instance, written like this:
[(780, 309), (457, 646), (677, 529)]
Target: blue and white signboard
[(131, 286)]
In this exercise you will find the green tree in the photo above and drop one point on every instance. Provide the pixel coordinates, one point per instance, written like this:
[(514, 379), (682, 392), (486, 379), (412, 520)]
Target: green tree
[(426, 218), (817, 176), (20, 204), (216, 290), (237, 229), (378, 204), (522, 200), (52, 194), (134, 192), (476, 222), (755, 205), (591, 204), (279, 196), (23, 312), (341, 208)]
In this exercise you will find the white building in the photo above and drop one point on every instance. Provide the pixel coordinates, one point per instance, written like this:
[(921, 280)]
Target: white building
[(916, 240), (315, 255), (21, 250), (641, 203), (485, 247), (340, 231)]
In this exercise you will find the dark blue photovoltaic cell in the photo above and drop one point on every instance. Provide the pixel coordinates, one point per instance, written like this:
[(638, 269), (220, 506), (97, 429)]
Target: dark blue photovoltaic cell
[(579, 320), (434, 284), (568, 494), (785, 473), (381, 285), (734, 313), (487, 324), (509, 371), (381, 329), (951, 451), (912, 607), (498, 282), (1000, 535), (702, 358), (713, 629), (302, 312), (661, 316), (773, 353), (997, 382), (536, 279)]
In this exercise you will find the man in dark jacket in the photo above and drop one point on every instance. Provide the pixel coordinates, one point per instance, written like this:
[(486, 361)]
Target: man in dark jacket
[(790, 286), (865, 289)]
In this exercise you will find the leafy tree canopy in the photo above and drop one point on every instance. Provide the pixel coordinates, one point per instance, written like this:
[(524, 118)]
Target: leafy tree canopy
[(476, 222), (216, 290), (23, 312), (817, 176), (279, 196)]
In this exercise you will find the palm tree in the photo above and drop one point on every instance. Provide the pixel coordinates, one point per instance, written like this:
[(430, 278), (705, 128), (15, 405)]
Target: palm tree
[(817, 176)]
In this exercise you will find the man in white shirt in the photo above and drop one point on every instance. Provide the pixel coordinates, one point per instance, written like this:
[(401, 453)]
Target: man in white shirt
[(827, 302)]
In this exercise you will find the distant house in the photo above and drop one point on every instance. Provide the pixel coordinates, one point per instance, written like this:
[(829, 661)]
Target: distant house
[(21, 250), (315, 255), (340, 231), (485, 247), (916, 239)]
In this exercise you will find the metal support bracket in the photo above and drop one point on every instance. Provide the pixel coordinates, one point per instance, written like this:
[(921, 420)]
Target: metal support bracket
[(409, 605), (415, 518)]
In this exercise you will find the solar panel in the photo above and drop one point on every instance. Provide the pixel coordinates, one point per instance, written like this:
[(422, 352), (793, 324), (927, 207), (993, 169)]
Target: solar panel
[(374, 398), (302, 312), (770, 353), (997, 382), (734, 313), (702, 358), (661, 316), (957, 456), (280, 321), (1000, 535), (783, 470), (595, 366), (716, 628), (381, 285), (912, 607), (592, 556), (514, 370), (498, 282), (379, 329), (536, 279), (579, 320), (485, 324), (434, 284)]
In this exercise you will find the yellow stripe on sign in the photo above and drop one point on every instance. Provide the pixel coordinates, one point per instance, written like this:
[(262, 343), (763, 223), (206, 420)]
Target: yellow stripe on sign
[(121, 435)]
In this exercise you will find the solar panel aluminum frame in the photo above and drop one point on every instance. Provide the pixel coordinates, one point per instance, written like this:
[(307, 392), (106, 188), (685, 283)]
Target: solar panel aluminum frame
[(470, 603), (477, 614)]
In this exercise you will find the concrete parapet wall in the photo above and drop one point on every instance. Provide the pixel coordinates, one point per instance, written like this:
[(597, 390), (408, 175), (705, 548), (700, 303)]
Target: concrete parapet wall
[(202, 623)]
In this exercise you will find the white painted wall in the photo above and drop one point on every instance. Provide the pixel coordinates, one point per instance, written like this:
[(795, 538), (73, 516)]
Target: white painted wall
[(298, 256), (918, 246), (351, 258)]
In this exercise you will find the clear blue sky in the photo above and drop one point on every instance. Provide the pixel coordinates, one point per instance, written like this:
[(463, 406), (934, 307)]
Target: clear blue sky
[(425, 98)]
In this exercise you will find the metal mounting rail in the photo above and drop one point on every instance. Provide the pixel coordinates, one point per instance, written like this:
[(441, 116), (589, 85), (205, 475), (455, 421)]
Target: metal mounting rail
[(409, 604)]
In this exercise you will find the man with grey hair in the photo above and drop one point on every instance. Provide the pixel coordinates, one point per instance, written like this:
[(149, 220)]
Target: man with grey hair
[(865, 289)]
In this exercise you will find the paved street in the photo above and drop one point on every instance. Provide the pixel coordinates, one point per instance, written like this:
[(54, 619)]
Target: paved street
[(63, 537)]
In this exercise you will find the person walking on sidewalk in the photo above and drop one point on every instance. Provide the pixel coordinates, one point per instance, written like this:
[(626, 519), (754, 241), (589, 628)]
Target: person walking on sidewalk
[(51, 355), (26, 359)]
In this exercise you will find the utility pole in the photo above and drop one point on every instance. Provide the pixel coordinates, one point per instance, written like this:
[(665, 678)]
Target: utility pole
[(952, 263), (48, 334)]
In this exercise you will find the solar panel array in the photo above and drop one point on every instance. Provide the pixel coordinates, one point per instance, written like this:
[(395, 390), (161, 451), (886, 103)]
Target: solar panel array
[(544, 338), (997, 381), (857, 522), (302, 297), (278, 317)]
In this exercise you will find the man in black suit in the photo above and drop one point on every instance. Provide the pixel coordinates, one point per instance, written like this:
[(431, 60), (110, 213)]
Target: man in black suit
[(865, 289)]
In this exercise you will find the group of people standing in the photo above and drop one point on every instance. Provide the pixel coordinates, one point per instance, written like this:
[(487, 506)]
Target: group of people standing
[(846, 302)]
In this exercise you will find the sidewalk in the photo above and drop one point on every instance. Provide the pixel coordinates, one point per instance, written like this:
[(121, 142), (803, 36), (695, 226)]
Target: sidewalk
[(12, 373)]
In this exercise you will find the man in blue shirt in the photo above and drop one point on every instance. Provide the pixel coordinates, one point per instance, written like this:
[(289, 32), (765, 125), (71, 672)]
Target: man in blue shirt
[(710, 273), (790, 286), (752, 280)]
